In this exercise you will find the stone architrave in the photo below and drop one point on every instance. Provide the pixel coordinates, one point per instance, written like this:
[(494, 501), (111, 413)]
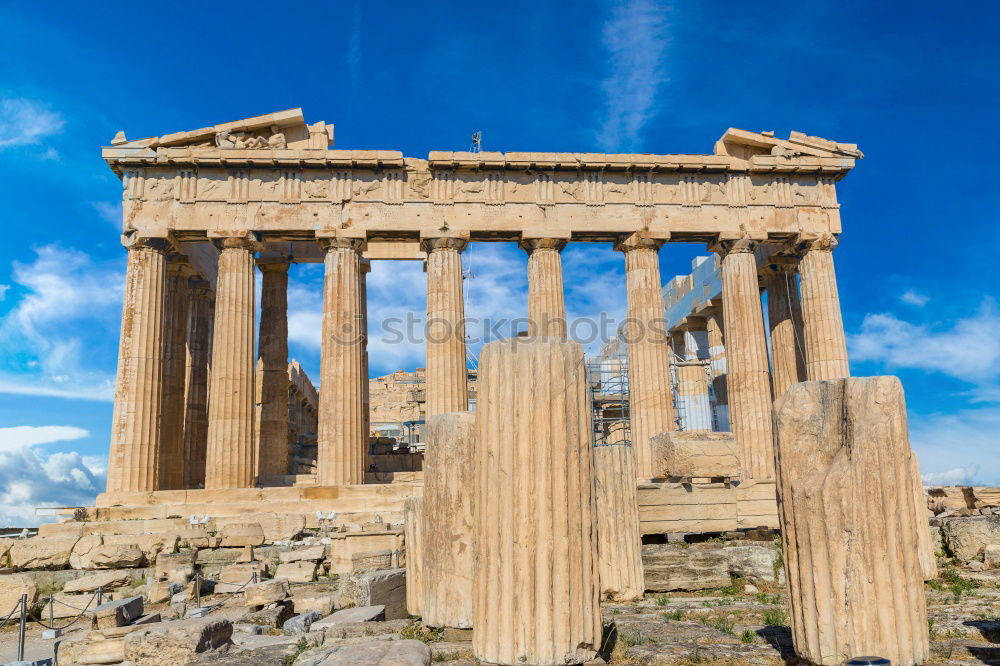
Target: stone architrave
[(175, 329), (651, 407), (823, 325), (536, 598), (272, 361), (717, 354), (619, 544), (135, 427), (448, 535), (856, 576), (546, 300), (343, 436), (446, 380), (748, 377), (784, 318), (413, 511), (230, 460), (199, 346)]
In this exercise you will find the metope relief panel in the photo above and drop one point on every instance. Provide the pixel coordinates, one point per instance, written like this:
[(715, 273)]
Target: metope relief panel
[(805, 191), (160, 188), (213, 185), (366, 185), (712, 189), (316, 185), (618, 187)]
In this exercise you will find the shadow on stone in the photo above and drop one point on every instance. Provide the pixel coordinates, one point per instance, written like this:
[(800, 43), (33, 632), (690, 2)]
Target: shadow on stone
[(780, 638), (989, 629)]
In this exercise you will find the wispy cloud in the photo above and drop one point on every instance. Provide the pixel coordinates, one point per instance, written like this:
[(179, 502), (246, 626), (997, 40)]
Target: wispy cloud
[(912, 297), (110, 212), (25, 122), (635, 38), (967, 349), (31, 477)]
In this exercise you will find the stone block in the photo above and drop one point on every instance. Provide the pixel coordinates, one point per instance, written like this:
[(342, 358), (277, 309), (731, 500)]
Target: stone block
[(118, 613), (313, 553), (264, 593), (695, 453), (238, 574), (275, 526), (79, 557), (242, 534), (172, 643), (384, 588), (91, 648), (273, 616), (162, 591), (967, 538), (669, 568), (106, 580), (619, 543), (322, 603), (371, 561), (70, 605), (394, 653), (12, 586), (296, 572), (301, 623), (753, 563), (351, 616), (175, 567), (41, 552), (193, 537), (991, 556)]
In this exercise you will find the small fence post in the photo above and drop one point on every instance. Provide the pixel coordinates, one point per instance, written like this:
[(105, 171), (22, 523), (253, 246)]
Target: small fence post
[(197, 590), (254, 579), (100, 595), (52, 617), (21, 628)]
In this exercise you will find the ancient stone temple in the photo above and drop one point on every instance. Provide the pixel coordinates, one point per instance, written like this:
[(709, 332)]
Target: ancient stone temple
[(200, 407)]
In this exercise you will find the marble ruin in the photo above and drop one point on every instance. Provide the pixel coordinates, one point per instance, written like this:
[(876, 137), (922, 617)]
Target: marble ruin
[(519, 508)]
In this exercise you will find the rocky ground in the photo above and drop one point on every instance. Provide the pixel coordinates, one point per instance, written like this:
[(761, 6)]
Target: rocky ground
[(739, 624)]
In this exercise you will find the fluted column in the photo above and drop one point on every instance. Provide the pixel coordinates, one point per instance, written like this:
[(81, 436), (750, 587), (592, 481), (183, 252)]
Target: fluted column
[(199, 346), (448, 535), (546, 302), (619, 544), (342, 442), (746, 356), (272, 362), (175, 324), (717, 354), (692, 379), (413, 513), (135, 427), (784, 317), (651, 407), (230, 460), (447, 389), (826, 345), (536, 595)]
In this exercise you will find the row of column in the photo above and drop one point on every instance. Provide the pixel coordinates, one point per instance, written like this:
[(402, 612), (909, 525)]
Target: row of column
[(170, 408)]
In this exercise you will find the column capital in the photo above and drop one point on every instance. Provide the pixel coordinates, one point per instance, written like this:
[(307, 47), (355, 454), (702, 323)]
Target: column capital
[(132, 241), (529, 245), (816, 242), (249, 242), (734, 246), (359, 245), (443, 243), (641, 240), (273, 265)]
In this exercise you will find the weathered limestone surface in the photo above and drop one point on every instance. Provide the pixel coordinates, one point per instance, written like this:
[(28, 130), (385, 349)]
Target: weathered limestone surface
[(825, 343), (343, 437), (12, 587), (695, 453), (172, 643), (651, 406), (784, 317), (856, 577), (230, 460), (668, 568), (135, 430), (618, 539), (272, 370), (546, 300), (448, 534), (41, 553), (413, 509), (967, 537), (447, 390), (199, 346), (749, 377), (536, 596), (174, 341)]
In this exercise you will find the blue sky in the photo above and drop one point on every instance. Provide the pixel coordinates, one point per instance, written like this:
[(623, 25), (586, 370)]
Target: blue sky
[(914, 84)]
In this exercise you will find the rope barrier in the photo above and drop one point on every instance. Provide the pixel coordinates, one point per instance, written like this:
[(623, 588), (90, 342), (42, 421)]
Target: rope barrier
[(83, 610)]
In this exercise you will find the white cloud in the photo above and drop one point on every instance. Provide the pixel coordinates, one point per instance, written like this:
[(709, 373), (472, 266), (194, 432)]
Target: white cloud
[(24, 122), (956, 476), (31, 477), (4, 288), (967, 349), (636, 43), (60, 338), (965, 439), (914, 298), (110, 212)]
